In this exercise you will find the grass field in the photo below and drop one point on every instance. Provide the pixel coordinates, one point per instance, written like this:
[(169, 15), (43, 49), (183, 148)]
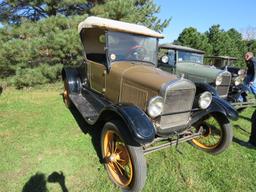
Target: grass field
[(40, 137)]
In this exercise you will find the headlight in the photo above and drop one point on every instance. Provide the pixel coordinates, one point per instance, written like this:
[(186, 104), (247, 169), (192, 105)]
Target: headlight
[(165, 59), (241, 72), (205, 100), (218, 80), (238, 81), (155, 106)]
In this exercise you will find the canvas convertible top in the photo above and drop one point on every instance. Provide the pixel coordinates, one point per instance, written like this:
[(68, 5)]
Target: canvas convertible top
[(119, 26)]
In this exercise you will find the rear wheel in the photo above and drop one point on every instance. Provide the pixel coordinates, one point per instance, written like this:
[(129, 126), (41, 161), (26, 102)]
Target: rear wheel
[(125, 164), (216, 135), (66, 98)]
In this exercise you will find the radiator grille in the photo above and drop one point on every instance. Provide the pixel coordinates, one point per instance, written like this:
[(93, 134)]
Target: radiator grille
[(178, 104), (135, 95), (223, 88)]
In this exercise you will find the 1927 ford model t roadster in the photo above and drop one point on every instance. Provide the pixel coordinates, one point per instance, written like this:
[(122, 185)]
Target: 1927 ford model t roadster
[(135, 104)]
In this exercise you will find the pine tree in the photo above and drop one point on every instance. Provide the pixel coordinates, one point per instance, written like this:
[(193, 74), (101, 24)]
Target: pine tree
[(192, 38)]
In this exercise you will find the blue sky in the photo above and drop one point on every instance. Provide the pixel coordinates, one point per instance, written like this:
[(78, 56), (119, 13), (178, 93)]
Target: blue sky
[(202, 14)]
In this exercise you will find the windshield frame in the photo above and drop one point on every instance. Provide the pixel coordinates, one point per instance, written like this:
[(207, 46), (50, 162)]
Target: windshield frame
[(109, 62), (185, 61)]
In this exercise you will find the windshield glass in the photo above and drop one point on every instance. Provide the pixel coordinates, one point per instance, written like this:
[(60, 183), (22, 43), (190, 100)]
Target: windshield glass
[(184, 56), (130, 47)]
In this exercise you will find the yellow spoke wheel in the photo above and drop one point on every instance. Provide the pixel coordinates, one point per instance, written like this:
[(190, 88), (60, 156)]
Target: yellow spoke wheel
[(66, 98), (125, 164), (118, 160), (216, 134)]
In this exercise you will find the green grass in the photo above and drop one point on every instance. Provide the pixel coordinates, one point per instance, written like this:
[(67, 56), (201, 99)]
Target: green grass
[(39, 136)]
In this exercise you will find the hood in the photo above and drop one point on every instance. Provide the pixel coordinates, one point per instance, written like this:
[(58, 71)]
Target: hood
[(142, 74), (198, 72)]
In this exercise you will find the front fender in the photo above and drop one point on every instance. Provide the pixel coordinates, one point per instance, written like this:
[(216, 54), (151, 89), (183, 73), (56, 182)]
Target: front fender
[(201, 87), (139, 129), (243, 88), (227, 108), (218, 105)]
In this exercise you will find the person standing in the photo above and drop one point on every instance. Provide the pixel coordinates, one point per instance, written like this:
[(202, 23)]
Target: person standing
[(250, 79), (250, 82)]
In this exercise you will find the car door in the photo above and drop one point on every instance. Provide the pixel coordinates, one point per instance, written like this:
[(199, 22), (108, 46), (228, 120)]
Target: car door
[(97, 74)]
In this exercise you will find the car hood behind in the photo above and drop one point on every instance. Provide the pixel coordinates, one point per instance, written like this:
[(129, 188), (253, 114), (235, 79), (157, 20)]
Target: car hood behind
[(198, 72)]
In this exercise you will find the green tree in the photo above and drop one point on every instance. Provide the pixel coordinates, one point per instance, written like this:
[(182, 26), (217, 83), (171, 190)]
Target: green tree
[(13, 11), (217, 42), (192, 38), (134, 11), (34, 48)]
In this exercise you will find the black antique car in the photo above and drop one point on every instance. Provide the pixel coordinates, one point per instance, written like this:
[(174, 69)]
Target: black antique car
[(136, 107), (238, 94)]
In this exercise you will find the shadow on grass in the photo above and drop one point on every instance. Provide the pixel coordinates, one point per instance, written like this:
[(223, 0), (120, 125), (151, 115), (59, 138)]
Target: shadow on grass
[(239, 127), (37, 182), (245, 118), (93, 131), (243, 143)]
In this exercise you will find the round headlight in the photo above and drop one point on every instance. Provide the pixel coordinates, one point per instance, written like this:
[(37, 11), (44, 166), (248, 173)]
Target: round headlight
[(155, 106), (205, 100), (165, 59), (238, 81), (218, 80), (241, 72)]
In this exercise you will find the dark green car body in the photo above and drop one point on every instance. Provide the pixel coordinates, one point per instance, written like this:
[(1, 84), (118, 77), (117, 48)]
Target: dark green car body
[(188, 62)]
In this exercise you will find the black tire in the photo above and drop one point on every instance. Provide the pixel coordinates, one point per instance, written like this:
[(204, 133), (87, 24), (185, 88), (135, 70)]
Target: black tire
[(252, 138), (133, 159), (253, 119), (224, 129), (66, 93)]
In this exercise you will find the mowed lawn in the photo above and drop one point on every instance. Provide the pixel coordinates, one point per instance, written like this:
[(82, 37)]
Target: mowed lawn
[(40, 138)]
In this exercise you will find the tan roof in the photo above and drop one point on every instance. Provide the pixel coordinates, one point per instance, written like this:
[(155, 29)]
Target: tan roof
[(113, 25)]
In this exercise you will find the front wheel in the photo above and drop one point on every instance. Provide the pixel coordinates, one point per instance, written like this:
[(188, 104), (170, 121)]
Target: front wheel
[(217, 134), (125, 164)]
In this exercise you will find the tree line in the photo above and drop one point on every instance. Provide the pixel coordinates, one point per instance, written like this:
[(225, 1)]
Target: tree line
[(39, 37), (218, 42)]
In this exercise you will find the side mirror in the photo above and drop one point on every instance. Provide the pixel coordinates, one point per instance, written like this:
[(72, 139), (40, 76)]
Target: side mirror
[(165, 59)]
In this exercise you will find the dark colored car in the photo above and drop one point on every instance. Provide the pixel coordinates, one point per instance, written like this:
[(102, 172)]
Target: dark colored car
[(238, 93)]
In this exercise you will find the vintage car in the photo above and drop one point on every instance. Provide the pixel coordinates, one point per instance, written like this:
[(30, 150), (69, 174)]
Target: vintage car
[(138, 108), (238, 93), (189, 62)]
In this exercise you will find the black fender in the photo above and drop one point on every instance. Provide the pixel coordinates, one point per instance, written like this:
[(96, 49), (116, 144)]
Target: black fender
[(138, 131), (72, 76), (243, 88), (219, 106), (201, 87)]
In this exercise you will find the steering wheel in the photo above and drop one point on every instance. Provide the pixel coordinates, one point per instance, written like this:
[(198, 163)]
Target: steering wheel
[(136, 52)]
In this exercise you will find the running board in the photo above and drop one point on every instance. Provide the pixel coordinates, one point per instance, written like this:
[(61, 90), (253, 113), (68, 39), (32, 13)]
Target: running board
[(88, 111)]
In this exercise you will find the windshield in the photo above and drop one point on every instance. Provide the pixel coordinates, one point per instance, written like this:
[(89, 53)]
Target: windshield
[(130, 47), (184, 56)]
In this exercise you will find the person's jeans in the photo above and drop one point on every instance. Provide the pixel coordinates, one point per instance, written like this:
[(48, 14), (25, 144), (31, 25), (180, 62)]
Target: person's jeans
[(251, 86)]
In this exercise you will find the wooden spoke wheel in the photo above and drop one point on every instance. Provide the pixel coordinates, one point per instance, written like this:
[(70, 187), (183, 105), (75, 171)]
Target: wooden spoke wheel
[(216, 134), (66, 98), (125, 164)]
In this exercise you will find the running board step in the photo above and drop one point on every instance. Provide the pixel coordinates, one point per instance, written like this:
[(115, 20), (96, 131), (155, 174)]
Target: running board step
[(87, 110)]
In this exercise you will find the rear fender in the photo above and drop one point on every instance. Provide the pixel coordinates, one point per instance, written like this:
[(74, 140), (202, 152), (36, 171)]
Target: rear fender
[(73, 78)]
